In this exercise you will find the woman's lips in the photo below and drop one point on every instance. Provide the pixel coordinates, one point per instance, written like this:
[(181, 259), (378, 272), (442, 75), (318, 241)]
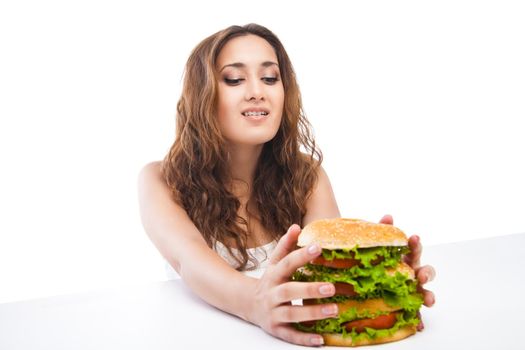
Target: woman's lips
[(254, 113), (255, 116)]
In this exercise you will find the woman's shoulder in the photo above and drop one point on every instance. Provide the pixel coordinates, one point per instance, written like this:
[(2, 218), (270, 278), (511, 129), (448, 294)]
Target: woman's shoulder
[(312, 163), (322, 202), (152, 167), (151, 173)]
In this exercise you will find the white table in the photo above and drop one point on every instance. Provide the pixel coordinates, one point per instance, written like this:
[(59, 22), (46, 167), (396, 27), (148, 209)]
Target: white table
[(480, 288)]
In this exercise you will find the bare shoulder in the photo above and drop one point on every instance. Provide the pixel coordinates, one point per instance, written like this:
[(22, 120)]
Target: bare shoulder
[(322, 203), (153, 187), (322, 176), (150, 177), (323, 186), (151, 171)]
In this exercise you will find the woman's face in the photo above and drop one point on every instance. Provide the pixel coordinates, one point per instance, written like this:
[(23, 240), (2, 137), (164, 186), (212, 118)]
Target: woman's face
[(251, 93)]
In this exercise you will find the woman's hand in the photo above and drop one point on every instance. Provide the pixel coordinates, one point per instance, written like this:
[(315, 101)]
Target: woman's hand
[(424, 274), (272, 309)]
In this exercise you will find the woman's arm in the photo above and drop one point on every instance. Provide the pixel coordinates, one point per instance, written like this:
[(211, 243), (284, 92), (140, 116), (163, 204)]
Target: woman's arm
[(265, 302), (181, 244)]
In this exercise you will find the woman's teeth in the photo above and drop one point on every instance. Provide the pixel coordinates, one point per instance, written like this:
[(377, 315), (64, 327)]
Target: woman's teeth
[(253, 114)]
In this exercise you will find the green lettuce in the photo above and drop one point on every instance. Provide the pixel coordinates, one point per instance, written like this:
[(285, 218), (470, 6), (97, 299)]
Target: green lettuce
[(391, 255), (368, 283), (410, 302)]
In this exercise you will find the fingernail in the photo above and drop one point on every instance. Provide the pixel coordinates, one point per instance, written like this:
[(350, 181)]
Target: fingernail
[(329, 310), (317, 340), (430, 276), (326, 289), (314, 249), (427, 277)]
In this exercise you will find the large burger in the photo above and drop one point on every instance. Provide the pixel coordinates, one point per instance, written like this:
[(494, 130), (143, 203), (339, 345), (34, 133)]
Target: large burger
[(376, 291)]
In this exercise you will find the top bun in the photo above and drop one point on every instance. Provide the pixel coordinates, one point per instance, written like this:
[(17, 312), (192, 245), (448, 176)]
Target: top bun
[(343, 233)]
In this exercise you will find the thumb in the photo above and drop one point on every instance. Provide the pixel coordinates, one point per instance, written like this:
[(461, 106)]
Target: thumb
[(286, 244)]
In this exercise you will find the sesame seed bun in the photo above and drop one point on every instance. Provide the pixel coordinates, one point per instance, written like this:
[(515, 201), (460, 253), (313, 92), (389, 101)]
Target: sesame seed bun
[(341, 233)]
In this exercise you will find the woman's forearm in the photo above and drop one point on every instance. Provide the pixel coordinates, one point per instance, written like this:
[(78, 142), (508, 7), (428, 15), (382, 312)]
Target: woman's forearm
[(221, 286)]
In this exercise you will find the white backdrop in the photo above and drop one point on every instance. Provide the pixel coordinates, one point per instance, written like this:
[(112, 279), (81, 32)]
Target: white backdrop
[(417, 106)]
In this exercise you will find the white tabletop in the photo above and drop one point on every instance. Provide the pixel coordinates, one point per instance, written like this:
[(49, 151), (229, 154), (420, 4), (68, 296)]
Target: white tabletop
[(479, 291)]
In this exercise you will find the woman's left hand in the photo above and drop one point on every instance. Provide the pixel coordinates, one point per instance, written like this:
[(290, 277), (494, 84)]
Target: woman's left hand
[(424, 274)]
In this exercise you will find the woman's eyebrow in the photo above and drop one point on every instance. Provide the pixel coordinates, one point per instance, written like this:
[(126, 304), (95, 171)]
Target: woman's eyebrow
[(242, 65)]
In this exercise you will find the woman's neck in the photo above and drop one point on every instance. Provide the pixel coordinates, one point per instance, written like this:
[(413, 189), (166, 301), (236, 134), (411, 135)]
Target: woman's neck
[(243, 161)]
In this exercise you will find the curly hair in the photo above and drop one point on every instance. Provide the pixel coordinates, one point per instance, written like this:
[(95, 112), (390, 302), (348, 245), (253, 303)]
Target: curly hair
[(195, 167)]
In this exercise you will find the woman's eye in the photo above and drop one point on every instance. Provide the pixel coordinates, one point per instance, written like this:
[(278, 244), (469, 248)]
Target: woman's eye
[(270, 80), (232, 81)]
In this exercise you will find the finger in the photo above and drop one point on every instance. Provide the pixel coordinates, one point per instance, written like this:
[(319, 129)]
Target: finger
[(387, 220), (297, 258), (420, 325), (298, 313), (429, 298), (413, 259), (291, 335), (286, 244), (287, 292), (425, 274)]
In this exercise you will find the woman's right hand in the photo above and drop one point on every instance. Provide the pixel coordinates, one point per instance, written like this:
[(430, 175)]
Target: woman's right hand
[(272, 309)]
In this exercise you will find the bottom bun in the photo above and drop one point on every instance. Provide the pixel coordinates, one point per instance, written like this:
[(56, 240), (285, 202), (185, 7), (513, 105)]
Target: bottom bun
[(338, 340)]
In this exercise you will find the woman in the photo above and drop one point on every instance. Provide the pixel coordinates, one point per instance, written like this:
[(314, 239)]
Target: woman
[(234, 190)]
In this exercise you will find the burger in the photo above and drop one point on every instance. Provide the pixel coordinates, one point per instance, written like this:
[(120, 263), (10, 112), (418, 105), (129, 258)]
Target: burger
[(375, 291)]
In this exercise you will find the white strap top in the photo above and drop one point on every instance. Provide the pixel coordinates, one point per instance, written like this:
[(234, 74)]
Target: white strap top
[(261, 254)]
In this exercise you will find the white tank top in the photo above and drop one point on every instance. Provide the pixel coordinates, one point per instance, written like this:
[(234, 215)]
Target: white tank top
[(261, 255)]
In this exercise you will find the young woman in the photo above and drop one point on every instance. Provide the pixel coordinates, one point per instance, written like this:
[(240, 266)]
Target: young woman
[(242, 177)]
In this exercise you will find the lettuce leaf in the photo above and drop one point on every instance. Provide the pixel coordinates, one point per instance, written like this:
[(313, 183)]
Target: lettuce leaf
[(367, 282), (390, 254), (411, 302)]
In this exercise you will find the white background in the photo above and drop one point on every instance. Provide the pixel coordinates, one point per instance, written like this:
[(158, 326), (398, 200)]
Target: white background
[(418, 107)]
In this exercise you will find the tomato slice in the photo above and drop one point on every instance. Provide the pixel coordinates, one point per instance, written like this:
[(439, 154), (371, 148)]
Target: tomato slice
[(308, 323), (336, 263), (346, 289), (343, 263), (380, 322)]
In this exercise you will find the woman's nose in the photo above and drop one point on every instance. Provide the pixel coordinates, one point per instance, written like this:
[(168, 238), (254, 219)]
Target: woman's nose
[(254, 90)]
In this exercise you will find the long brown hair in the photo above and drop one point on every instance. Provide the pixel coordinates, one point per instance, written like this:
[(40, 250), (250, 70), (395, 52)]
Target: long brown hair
[(196, 166)]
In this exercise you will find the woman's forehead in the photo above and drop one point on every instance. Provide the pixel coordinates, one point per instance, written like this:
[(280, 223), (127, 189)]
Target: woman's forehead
[(248, 50)]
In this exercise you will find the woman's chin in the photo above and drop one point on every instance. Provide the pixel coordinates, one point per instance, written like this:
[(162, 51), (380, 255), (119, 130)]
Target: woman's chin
[(253, 137)]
